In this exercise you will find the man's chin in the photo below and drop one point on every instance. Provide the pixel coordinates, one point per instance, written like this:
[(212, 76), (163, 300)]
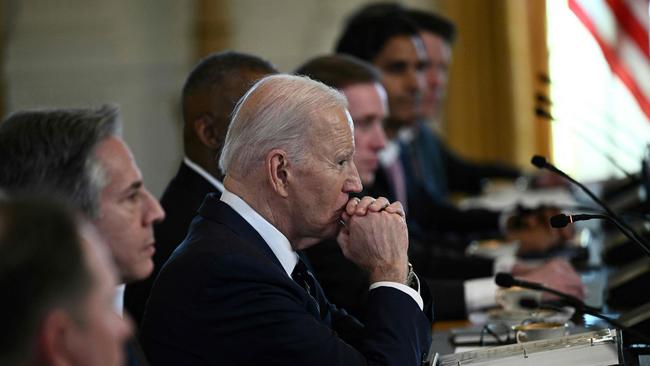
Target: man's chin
[(306, 243), (143, 270)]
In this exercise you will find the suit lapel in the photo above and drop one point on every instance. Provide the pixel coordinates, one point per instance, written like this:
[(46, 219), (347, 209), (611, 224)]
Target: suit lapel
[(215, 210)]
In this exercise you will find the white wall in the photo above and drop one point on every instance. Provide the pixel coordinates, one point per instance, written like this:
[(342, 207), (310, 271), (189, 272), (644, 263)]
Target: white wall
[(87, 52)]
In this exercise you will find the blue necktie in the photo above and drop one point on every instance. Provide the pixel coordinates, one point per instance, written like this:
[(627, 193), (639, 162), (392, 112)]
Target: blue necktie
[(303, 277)]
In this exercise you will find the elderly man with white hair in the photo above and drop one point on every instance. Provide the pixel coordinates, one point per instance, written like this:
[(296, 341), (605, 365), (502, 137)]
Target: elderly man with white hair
[(236, 291)]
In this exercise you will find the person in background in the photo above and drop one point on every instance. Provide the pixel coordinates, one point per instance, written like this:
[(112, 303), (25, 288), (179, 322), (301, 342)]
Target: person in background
[(385, 35), (209, 95), (454, 295), (79, 156), (438, 164), (60, 285)]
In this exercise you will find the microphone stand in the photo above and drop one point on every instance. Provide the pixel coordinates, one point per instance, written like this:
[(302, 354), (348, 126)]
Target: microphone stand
[(562, 220), (541, 163)]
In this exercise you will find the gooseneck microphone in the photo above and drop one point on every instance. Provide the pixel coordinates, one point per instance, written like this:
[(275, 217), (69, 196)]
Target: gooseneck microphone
[(507, 280), (541, 163), (562, 220)]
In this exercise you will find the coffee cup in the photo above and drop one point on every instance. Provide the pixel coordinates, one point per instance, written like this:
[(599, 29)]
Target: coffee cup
[(540, 330), (510, 298)]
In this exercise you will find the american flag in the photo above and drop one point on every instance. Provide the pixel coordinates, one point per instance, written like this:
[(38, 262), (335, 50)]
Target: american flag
[(621, 29)]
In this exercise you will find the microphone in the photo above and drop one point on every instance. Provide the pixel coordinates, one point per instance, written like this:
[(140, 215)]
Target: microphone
[(562, 220), (542, 98), (543, 78), (543, 113), (541, 163), (503, 279)]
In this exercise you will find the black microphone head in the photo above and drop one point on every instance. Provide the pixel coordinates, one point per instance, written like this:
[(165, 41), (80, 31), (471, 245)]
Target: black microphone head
[(529, 303), (543, 113), (542, 98), (543, 78), (539, 161), (560, 221), (503, 279)]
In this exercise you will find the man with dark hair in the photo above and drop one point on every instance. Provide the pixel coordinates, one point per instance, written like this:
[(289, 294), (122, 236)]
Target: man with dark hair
[(346, 284), (383, 35), (59, 286), (401, 56), (438, 35), (440, 169), (209, 95), (78, 155)]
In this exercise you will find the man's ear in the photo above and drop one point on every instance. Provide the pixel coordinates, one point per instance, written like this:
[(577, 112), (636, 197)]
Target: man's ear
[(278, 171), (55, 338), (205, 129)]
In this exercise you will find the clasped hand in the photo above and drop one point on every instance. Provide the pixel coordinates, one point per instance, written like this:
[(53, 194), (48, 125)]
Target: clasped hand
[(375, 238)]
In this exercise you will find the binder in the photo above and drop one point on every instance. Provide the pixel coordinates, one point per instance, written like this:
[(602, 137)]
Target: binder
[(597, 348)]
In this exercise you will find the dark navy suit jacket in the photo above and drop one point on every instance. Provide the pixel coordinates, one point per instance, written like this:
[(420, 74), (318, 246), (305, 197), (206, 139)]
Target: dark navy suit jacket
[(442, 171), (181, 201), (224, 299)]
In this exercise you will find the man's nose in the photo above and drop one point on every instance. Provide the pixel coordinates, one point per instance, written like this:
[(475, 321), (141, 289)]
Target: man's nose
[(353, 182), (153, 212)]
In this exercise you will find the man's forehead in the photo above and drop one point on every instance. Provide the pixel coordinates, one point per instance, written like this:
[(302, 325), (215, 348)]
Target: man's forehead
[(118, 164), (333, 127), (402, 42), (419, 48), (365, 98), (348, 117)]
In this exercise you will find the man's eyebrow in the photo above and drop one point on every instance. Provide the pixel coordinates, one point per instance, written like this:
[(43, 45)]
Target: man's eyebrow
[(135, 186)]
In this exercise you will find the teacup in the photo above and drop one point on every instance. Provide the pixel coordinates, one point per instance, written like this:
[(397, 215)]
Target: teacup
[(537, 331), (510, 298)]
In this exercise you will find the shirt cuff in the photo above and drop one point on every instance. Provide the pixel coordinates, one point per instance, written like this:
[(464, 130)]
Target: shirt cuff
[(504, 216), (504, 264), (479, 293), (409, 291)]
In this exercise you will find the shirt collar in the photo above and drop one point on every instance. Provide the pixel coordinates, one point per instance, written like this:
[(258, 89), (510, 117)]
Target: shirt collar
[(278, 243), (406, 134), (202, 172), (389, 154), (118, 300)]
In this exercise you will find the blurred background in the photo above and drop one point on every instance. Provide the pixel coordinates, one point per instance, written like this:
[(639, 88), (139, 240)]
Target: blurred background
[(511, 58)]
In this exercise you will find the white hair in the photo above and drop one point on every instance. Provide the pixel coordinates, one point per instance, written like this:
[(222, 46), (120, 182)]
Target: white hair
[(275, 113)]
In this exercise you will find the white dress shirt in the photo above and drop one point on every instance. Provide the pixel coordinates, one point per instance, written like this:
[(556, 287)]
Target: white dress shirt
[(281, 247), (200, 171), (118, 300)]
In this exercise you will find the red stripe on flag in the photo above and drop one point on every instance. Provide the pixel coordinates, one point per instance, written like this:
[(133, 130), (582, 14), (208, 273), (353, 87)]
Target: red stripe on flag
[(630, 25), (612, 58)]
